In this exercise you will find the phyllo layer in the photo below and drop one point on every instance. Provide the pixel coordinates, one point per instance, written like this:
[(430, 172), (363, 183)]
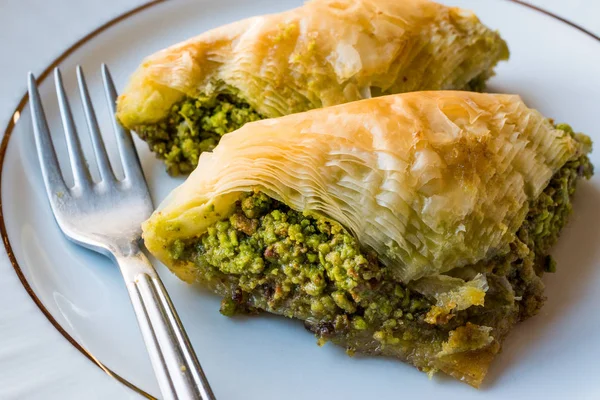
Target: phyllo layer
[(181, 100)]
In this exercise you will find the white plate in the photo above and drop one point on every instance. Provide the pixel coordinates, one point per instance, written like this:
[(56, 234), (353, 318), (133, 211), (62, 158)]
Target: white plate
[(553, 66)]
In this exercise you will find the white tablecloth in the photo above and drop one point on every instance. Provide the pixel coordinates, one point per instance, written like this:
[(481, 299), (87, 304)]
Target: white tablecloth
[(32, 34)]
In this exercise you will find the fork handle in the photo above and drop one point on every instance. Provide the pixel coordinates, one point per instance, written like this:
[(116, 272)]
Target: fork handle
[(176, 367)]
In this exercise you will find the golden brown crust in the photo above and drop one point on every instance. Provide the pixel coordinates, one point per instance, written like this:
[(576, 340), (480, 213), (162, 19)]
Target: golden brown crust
[(471, 366), (324, 53)]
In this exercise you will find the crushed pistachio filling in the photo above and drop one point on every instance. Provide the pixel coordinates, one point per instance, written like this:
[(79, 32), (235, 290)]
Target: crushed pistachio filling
[(300, 266), (194, 126)]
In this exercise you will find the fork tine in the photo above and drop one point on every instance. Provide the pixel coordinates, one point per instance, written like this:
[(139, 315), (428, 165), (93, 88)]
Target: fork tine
[(129, 156), (80, 171), (106, 173), (45, 149)]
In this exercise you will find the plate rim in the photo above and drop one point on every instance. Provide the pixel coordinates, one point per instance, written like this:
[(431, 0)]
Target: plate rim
[(15, 116), (17, 113)]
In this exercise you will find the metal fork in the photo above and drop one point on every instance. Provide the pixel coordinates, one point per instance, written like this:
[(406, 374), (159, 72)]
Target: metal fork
[(105, 216)]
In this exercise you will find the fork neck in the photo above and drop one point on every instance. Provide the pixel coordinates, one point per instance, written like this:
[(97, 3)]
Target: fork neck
[(125, 248)]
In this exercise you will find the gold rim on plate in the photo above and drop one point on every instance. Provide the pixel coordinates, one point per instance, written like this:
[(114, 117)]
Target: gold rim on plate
[(17, 114)]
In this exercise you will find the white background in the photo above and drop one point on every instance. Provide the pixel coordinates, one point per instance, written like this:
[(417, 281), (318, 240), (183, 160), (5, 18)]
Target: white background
[(32, 34)]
